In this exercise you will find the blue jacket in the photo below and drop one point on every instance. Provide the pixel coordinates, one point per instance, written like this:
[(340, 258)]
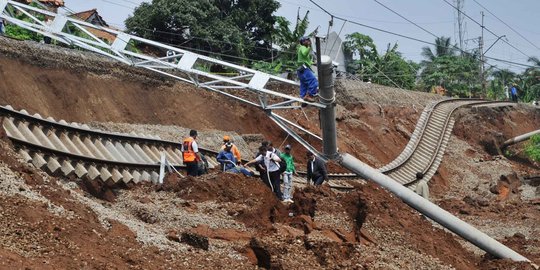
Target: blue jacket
[(223, 157)]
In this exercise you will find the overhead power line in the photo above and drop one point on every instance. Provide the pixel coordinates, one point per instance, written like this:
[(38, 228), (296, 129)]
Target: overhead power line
[(401, 16), (116, 4), (511, 28), (412, 38), (367, 26), (351, 22), (484, 27)]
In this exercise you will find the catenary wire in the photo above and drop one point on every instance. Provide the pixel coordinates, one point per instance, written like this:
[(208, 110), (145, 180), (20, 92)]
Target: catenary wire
[(503, 22), (400, 35), (484, 27)]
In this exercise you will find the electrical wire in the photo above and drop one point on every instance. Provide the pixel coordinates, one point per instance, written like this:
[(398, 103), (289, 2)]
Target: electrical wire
[(400, 35), (336, 17), (511, 28), (484, 27), (401, 16)]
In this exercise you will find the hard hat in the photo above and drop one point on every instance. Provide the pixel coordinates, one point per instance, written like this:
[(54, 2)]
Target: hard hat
[(226, 138), (228, 144), (304, 38), (288, 146)]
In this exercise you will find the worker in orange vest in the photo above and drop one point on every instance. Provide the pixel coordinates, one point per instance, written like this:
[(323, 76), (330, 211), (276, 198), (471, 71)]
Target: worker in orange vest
[(190, 154), (234, 149)]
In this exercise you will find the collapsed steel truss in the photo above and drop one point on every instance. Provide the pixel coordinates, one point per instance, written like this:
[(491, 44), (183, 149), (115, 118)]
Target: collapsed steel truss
[(255, 86)]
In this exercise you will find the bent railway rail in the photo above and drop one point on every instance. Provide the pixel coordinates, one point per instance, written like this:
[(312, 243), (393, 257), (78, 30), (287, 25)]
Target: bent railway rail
[(74, 149), (425, 149), (67, 149)]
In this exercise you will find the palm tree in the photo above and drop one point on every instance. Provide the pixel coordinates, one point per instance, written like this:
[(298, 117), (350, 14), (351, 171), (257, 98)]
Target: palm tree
[(501, 78), (504, 76), (287, 39), (443, 47), (531, 81)]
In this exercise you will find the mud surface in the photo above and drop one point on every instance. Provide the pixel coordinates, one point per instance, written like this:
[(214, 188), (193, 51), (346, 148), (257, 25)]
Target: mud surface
[(224, 221)]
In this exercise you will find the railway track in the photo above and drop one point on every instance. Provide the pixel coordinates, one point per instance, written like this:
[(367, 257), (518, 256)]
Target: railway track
[(62, 148), (72, 149), (424, 151)]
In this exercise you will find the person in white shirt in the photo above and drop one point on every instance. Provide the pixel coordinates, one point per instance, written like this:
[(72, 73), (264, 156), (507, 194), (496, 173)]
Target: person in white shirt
[(271, 161)]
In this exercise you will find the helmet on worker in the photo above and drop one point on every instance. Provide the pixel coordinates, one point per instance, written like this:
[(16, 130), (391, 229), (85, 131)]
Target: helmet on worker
[(304, 39)]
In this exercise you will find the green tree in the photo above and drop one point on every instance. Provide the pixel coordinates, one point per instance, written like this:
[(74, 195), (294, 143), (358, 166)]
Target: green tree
[(235, 28), (287, 40), (363, 53), (389, 68), (501, 78), (530, 82), (532, 149), (443, 47), (17, 32), (458, 74)]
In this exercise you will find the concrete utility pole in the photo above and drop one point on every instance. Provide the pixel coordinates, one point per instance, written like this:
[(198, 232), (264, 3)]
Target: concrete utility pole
[(482, 59), (327, 97), (460, 23), (427, 208)]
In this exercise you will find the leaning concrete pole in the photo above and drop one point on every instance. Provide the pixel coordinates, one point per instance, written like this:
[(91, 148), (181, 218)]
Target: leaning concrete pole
[(422, 205), (328, 114), (520, 138), (431, 210)]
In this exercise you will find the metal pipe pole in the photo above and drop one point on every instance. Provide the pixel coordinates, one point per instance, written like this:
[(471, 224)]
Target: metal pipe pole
[(431, 210), (318, 55), (327, 97), (519, 138)]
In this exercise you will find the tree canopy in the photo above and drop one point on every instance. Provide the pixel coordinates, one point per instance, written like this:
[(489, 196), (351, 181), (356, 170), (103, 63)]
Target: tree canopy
[(389, 68), (457, 74), (227, 28)]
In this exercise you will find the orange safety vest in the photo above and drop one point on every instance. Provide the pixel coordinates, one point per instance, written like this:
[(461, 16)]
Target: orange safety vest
[(188, 154)]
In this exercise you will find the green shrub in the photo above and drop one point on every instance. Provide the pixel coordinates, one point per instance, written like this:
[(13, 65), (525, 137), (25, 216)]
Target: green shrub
[(532, 150)]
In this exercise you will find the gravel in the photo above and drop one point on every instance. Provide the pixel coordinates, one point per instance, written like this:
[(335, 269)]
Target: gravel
[(393, 252), (209, 139), (146, 234), (354, 91)]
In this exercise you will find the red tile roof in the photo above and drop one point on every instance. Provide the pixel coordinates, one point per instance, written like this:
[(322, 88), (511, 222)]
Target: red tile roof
[(96, 20), (84, 15)]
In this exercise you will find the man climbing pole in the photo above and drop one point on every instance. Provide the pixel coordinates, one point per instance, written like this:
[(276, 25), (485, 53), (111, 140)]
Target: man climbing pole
[(190, 154), (309, 86)]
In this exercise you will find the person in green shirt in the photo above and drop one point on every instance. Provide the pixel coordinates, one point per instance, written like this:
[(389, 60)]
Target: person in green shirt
[(309, 86), (287, 175)]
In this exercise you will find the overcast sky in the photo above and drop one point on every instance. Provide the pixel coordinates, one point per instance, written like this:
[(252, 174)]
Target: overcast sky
[(434, 15)]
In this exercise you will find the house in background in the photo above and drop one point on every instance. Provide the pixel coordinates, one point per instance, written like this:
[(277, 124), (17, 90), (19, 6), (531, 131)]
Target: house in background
[(92, 16)]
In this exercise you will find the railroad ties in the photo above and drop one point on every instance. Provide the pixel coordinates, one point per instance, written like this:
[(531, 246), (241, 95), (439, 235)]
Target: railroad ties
[(426, 148), (71, 149)]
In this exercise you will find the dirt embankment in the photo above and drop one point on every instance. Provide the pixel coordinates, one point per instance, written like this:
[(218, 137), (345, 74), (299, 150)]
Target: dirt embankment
[(223, 221), (83, 87)]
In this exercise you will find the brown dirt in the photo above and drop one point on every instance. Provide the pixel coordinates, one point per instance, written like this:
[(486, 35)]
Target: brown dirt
[(364, 229), (32, 237), (262, 208)]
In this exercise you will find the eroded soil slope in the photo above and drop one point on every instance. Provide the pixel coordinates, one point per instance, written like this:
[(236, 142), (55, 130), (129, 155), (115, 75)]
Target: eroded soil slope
[(222, 221)]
